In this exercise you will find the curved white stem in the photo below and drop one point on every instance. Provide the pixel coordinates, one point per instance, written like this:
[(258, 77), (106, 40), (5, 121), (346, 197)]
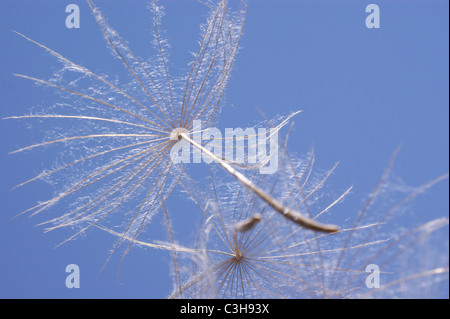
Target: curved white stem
[(290, 214)]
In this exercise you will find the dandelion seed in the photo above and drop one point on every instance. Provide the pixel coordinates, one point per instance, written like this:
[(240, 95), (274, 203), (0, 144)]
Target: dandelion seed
[(252, 251), (253, 256), (139, 124), (121, 147)]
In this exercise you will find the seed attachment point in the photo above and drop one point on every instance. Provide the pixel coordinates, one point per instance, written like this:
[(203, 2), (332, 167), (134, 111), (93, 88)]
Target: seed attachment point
[(175, 135)]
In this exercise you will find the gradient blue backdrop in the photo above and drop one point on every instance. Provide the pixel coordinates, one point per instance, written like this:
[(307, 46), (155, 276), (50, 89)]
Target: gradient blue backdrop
[(363, 92)]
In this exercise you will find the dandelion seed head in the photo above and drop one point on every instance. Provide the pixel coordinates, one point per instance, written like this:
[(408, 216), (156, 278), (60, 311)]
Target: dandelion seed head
[(112, 133)]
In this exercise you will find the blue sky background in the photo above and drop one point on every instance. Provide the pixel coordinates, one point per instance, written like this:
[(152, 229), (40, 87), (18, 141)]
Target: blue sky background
[(362, 91)]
